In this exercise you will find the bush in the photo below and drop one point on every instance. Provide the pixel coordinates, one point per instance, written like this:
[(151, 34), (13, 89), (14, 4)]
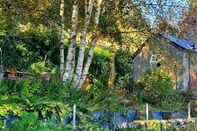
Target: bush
[(31, 45), (156, 125), (123, 69), (30, 122), (30, 94), (100, 67), (93, 99), (158, 84), (173, 102)]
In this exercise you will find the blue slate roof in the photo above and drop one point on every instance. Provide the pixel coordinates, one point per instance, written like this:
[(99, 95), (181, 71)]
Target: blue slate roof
[(189, 45)]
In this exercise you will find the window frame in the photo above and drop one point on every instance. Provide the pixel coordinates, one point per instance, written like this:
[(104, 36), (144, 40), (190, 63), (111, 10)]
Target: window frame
[(155, 58)]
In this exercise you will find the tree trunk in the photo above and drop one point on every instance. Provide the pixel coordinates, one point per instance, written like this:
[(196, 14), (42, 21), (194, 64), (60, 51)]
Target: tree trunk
[(86, 6), (95, 35), (112, 72), (62, 38), (80, 60), (70, 59)]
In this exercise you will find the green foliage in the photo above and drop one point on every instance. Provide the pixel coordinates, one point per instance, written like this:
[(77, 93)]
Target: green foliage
[(158, 84), (173, 102), (123, 69), (1, 124), (155, 125), (124, 81), (103, 54), (53, 99), (166, 126), (93, 99), (30, 122), (100, 67), (5, 109), (189, 95), (16, 12), (40, 67), (30, 94), (178, 101), (87, 125), (30, 45), (120, 29), (191, 127)]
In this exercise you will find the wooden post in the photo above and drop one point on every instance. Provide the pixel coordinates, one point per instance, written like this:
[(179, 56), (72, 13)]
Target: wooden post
[(188, 110), (146, 111), (74, 117)]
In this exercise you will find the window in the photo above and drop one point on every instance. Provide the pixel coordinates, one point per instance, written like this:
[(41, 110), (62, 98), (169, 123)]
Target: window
[(155, 60)]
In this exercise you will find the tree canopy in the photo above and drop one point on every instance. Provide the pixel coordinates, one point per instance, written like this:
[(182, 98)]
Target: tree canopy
[(111, 24)]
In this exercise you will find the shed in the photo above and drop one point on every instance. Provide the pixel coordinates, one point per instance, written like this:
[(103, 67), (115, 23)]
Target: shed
[(170, 53)]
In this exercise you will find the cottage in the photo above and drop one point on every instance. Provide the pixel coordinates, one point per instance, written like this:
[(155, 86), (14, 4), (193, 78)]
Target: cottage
[(170, 53)]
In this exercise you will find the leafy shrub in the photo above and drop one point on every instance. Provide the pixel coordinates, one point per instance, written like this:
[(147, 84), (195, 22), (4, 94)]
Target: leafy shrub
[(88, 125), (100, 67), (191, 127), (178, 101), (1, 124), (158, 84), (5, 109), (153, 125), (30, 122), (125, 82), (189, 95), (23, 48), (38, 68), (173, 102), (43, 66), (30, 94), (93, 99), (123, 69), (156, 125)]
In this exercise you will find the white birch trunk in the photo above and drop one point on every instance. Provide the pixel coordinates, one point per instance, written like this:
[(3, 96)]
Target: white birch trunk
[(93, 43), (86, 7), (80, 60), (70, 59), (62, 38)]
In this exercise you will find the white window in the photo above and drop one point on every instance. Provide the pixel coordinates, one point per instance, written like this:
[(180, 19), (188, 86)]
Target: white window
[(155, 58)]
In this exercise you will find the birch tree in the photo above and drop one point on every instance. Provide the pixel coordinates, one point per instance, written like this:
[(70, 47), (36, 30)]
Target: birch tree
[(80, 60), (82, 67), (95, 34), (62, 38), (70, 59)]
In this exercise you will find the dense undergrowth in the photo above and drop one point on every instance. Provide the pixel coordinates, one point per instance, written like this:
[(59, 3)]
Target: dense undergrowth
[(40, 104), (36, 101), (46, 99)]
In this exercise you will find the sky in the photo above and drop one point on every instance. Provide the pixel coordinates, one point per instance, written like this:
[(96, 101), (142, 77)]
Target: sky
[(157, 10)]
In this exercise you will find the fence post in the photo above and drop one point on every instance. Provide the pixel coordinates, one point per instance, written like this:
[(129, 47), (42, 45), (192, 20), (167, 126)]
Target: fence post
[(146, 111), (74, 117), (188, 110)]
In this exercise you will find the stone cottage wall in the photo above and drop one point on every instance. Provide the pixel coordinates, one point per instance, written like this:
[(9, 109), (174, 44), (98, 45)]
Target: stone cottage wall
[(170, 57)]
